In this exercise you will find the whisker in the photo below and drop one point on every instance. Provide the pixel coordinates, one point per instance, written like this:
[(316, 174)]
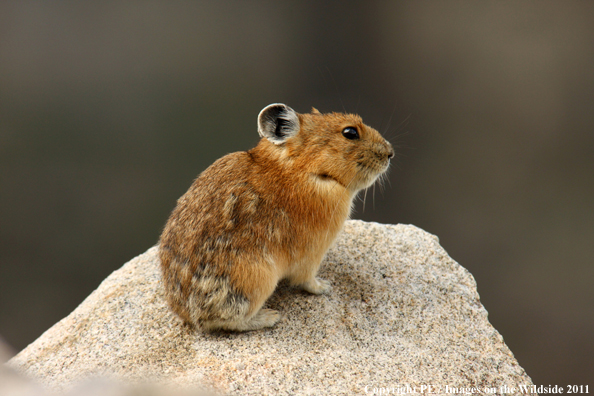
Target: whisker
[(381, 182), (364, 199), (390, 119), (389, 181), (395, 134)]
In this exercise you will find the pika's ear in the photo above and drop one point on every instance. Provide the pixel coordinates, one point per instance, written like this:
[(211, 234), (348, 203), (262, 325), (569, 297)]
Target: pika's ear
[(278, 122), (315, 111)]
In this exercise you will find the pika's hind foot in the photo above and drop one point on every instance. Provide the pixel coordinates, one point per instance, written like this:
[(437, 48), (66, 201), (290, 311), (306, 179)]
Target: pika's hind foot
[(317, 286), (262, 319)]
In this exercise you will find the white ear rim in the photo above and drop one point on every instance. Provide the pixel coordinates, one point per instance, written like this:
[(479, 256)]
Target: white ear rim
[(271, 129)]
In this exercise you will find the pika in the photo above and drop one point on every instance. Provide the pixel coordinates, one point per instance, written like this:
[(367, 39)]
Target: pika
[(270, 213)]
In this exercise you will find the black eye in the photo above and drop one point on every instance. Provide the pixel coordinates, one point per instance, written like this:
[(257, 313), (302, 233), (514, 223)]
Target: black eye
[(350, 133)]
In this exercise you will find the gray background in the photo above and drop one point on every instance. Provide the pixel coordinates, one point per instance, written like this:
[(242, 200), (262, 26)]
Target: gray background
[(109, 110)]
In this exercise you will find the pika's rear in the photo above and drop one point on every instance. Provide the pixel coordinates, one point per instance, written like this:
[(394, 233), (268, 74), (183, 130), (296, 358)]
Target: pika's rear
[(253, 218)]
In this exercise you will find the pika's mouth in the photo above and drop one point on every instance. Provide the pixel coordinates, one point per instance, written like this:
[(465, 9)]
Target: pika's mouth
[(375, 168), (371, 172)]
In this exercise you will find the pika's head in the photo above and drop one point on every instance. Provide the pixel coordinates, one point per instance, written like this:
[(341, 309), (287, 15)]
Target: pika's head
[(331, 148)]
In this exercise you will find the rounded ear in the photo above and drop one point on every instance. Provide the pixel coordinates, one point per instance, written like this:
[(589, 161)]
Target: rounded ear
[(278, 122)]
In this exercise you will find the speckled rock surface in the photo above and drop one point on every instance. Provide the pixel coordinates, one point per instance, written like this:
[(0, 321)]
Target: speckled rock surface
[(401, 312)]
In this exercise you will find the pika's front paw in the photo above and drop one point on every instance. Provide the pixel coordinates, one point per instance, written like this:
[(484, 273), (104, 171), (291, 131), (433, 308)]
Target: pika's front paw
[(266, 318), (317, 286)]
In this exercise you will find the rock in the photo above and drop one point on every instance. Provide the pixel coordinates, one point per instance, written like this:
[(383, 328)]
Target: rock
[(402, 312)]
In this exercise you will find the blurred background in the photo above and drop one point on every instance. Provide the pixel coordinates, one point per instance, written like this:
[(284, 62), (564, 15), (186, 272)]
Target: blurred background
[(109, 110)]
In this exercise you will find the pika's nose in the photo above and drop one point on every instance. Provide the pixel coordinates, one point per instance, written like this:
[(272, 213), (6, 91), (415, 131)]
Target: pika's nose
[(390, 150)]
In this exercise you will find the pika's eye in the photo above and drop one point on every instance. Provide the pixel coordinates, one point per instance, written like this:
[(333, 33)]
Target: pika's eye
[(350, 133)]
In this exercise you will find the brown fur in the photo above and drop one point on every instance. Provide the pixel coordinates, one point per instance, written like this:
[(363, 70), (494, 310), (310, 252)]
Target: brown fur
[(253, 218)]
